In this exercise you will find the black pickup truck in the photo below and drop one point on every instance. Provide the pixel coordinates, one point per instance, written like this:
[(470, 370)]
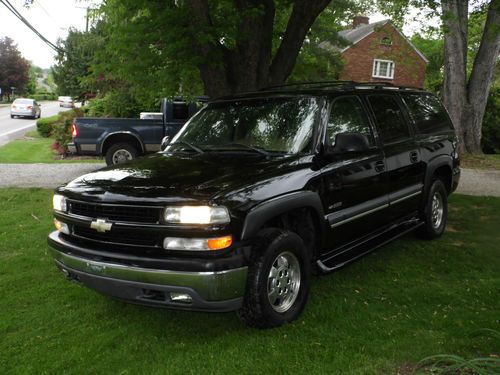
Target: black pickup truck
[(123, 139), (255, 193)]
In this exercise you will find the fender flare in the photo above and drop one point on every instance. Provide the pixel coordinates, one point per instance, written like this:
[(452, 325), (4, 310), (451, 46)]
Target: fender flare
[(276, 206), (124, 132), (443, 160)]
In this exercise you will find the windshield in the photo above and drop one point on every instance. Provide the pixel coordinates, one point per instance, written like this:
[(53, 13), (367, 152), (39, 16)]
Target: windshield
[(278, 125)]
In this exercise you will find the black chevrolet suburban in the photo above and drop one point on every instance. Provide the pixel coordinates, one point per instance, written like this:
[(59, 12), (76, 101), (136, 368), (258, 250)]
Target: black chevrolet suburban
[(257, 192)]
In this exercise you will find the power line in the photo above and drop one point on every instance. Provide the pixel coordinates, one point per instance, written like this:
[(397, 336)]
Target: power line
[(14, 11)]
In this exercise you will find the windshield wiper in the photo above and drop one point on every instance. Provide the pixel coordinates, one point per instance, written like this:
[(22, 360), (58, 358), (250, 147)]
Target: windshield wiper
[(192, 147), (247, 147)]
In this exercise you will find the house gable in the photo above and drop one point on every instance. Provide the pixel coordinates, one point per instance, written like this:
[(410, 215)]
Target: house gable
[(380, 52)]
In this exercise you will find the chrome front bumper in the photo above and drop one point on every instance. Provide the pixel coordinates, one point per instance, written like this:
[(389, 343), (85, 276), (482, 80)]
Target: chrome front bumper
[(210, 291)]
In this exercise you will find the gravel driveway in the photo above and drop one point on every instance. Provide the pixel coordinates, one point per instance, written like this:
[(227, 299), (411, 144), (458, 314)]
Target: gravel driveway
[(43, 175), (472, 182)]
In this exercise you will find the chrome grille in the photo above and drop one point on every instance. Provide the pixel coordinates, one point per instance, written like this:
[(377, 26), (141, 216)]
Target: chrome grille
[(113, 212)]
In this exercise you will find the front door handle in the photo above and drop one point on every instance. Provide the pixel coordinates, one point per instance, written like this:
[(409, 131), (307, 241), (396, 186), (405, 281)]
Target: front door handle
[(379, 166), (414, 157)]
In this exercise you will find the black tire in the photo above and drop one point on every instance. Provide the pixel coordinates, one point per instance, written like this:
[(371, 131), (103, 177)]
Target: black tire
[(272, 246), (435, 214), (12, 116), (120, 153)]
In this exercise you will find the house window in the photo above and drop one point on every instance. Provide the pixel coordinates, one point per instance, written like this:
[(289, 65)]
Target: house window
[(383, 69), (386, 41)]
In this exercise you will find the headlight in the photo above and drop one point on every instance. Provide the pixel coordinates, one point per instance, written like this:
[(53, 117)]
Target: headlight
[(197, 215), (59, 203)]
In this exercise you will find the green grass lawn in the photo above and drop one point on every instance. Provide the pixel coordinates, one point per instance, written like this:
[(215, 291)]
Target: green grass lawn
[(382, 314), (34, 149)]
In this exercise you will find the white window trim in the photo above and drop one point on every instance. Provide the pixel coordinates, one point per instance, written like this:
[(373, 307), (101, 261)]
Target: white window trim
[(375, 74)]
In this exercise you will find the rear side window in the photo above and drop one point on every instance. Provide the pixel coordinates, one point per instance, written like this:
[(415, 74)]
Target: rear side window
[(392, 126), (427, 112), (180, 111), (348, 116)]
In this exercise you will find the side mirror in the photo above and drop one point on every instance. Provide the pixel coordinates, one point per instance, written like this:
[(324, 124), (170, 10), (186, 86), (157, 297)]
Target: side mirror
[(164, 142), (349, 142)]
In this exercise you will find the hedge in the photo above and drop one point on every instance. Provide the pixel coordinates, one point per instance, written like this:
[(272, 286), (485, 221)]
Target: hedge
[(44, 125)]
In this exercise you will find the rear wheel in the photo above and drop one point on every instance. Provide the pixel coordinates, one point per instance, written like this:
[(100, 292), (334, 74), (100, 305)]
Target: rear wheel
[(435, 214), (120, 153), (278, 280)]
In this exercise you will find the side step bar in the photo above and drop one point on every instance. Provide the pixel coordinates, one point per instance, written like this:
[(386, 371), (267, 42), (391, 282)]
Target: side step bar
[(333, 263)]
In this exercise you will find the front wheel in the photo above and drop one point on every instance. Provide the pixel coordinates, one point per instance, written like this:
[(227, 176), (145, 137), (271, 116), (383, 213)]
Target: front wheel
[(435, 214), (120, 153), (278, 280)]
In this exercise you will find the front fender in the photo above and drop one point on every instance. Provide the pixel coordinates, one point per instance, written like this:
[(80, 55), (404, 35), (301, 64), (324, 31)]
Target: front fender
[(266, 210)]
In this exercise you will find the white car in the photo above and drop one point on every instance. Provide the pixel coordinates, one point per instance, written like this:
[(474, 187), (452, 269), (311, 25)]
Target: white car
[(66, 101), (23, 107)]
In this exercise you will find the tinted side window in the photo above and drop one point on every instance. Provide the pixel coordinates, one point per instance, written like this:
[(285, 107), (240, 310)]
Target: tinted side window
[(427, 112), (348, 116), (391, 123), (180, 111)]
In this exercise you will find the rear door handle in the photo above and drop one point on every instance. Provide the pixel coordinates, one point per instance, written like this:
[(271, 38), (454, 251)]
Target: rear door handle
[(380, 166), (414, 156)]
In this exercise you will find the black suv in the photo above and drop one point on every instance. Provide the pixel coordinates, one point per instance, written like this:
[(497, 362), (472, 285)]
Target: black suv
[(255, 193)]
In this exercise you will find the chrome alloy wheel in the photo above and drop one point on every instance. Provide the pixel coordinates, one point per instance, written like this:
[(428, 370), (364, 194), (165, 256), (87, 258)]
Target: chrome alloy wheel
[(437, 210), (283, 282), (121, 156)]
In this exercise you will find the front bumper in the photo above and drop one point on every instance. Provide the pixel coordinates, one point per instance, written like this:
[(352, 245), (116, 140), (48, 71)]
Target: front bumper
[(216, 291)]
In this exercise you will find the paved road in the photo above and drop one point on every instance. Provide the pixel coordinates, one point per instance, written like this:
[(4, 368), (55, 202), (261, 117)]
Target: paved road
[(15, 128), (472, 182)]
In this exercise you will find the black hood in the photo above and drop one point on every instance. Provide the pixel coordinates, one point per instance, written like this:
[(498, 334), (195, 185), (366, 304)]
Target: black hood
[(184, 178)]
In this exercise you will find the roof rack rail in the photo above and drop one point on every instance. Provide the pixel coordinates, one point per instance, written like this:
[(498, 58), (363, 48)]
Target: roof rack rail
[(312, 84)]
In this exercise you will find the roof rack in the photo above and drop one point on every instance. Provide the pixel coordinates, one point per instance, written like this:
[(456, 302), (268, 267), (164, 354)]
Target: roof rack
[(331, 84), (308, 84)]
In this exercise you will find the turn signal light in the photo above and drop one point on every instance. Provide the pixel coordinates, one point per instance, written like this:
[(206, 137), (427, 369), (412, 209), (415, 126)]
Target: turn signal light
[(30, 107), (220, 242)]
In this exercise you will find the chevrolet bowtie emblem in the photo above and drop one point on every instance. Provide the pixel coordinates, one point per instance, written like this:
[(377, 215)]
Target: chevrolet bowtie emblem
[(101, 225)]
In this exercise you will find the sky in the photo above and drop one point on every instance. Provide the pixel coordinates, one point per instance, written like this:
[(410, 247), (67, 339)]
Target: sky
[(52, 18)]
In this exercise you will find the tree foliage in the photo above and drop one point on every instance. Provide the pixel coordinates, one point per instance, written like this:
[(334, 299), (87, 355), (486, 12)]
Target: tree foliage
[(74, 60), (14, 69), (165, 48)]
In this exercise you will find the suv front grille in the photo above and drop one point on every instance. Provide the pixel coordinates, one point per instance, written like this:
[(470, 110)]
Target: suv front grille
[(125, 237), (112, 212)]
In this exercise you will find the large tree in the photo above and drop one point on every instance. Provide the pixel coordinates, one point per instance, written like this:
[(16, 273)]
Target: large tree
[(227, 45), (73, 61), (14, 69), (466, 83)]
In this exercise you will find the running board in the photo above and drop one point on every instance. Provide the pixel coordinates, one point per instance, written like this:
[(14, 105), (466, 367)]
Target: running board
[(330, 264)]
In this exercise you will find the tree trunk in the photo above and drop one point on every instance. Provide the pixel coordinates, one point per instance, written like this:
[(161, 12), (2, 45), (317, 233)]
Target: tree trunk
[(455, 15), (249, 66), (466, 101)]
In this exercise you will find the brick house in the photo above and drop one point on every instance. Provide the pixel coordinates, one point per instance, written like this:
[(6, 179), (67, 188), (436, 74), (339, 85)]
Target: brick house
[(380, 52)]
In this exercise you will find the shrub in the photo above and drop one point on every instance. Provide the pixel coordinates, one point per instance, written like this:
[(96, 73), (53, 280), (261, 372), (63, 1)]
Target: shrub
[(44, 125), (44, 96), (59, 127), (114, 104), (61, 130)]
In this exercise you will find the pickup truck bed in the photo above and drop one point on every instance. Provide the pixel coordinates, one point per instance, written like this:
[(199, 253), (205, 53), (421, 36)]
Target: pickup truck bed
[(122, 139)]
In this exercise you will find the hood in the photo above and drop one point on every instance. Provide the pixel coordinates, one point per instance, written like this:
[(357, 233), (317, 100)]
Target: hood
[(181, 178)]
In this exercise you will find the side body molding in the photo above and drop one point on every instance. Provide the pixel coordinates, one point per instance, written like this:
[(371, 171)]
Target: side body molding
[(279, 205)]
